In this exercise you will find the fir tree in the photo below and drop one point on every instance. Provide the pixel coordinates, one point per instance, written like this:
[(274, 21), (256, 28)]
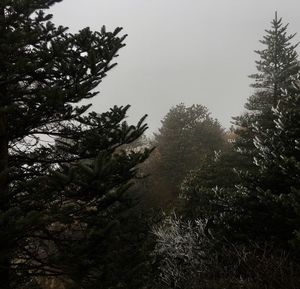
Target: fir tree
[(57, 198), (265, 187), (278, 159), (277, 68), (187, 136), (287, 135)]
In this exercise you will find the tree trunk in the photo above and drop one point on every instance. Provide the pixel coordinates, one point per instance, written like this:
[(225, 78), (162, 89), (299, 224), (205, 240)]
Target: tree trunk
[(4, 192), (4, 271), (4, 204), (3, 159)]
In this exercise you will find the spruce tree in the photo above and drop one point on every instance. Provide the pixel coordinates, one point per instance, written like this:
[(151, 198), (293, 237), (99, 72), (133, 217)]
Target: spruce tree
[(62, 168), (277, 68), (264, 187), (187, 136), (278, 159), (285, 145)]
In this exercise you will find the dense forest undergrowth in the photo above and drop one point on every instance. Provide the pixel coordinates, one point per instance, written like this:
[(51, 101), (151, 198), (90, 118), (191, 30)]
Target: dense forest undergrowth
[(87, 201)]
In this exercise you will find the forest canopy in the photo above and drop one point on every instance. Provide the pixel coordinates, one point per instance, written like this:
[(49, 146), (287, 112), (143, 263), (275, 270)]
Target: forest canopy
[(88, 201)]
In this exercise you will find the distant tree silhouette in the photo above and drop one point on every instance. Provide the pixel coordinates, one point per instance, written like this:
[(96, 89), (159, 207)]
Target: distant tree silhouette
[(187, 136)]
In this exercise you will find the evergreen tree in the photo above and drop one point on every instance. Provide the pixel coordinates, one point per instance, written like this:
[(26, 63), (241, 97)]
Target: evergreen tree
[(208, 190), (187, 136), (265, 158), (278, 159), (57, 198), (264, 187), (286, 142), (277, 68)]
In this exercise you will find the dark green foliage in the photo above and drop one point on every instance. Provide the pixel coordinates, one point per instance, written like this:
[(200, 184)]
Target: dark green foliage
[(127, 250), (260, 179), (209, 192), (280, 151), (277, 68), (264, 140), (57, 198), (119, 255), (187, 136), (246, 198), (278, 161)]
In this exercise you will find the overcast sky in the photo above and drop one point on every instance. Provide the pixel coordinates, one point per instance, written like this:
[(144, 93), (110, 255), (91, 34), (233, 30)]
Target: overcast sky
[(191, 51)]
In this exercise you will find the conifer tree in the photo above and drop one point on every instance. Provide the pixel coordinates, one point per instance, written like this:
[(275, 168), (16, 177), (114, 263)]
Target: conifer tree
[(286, 142), (187, 136), (265, 186), (62, 170), (278, 159), (277, 68)]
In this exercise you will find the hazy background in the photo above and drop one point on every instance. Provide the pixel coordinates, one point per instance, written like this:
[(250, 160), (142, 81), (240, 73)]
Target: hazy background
[(191, 51)]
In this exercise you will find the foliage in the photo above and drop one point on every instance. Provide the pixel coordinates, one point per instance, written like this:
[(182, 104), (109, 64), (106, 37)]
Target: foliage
[(270, 195), (209, 192), (58, 199), (258, 179), (247, 195), (125, 253), (187, 136), (189, 258), (181, 250), (277, 68)]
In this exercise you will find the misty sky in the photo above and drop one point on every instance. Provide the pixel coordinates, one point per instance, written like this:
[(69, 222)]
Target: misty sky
[(191, 51)]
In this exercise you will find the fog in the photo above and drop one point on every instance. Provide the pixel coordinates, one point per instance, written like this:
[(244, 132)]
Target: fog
[(194, 51)]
